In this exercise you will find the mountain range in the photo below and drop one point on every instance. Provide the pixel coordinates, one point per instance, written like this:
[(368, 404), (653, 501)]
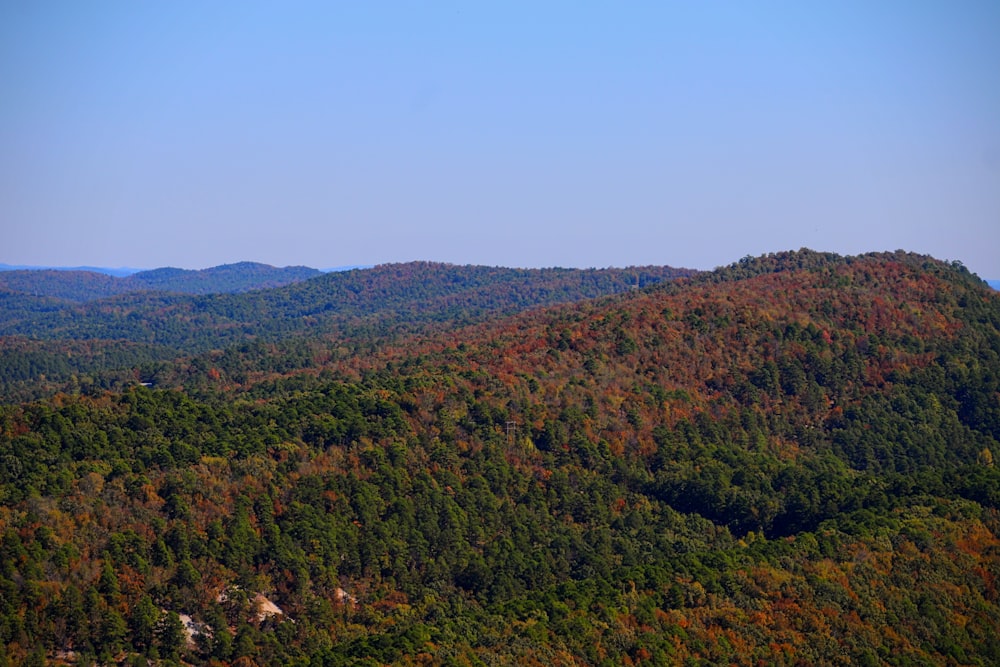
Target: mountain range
[(80, 285), (39, 315), (120, 272)]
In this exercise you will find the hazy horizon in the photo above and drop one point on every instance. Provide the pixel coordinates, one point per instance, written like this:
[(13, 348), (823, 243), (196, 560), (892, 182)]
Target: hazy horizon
[(123, 271), (515, 134)]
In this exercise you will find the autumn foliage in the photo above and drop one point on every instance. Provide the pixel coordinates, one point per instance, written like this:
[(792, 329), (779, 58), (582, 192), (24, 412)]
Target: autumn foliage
[(785, 461)]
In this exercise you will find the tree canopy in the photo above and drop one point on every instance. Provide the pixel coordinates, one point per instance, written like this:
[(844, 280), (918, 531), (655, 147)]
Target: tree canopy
[(786, 461)]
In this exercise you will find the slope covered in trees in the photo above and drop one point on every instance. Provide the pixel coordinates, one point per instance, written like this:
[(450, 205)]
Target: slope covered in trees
[(81, 286), (225, 279), (788, 461), (356, 304)]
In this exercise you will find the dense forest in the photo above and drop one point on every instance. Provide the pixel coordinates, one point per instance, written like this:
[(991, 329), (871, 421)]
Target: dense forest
[(81, 286), (367, 305), (788, 460)]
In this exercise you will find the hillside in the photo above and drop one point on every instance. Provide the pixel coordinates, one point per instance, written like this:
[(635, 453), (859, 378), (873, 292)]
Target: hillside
[(225, 279), (80, 286), (785, 461), (58, 286), (355, 304)]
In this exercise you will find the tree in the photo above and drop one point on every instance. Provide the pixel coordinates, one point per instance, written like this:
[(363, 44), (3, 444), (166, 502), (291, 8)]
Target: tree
[(144, 623), (170, 635)]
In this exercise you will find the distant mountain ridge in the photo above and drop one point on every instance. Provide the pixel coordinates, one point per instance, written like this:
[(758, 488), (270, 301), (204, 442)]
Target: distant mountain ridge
[(82, 285), (119, 272), (357, 304), (394, 294), (224, 279)]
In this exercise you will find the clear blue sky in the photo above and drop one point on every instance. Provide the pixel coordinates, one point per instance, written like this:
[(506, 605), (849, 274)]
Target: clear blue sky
[(193, 134)]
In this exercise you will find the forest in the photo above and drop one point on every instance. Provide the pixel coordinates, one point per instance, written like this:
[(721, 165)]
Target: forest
[(81, 286), (785, 461), (109, 335)]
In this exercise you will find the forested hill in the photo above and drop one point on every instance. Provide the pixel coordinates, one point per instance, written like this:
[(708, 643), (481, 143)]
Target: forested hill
[(789, 461), (357, 306), (82, 286), (225, 279), (387, 296)]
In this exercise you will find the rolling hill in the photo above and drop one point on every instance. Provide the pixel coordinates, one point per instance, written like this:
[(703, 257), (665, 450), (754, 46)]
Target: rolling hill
[(120, 272), (80, 286), (355, 304)]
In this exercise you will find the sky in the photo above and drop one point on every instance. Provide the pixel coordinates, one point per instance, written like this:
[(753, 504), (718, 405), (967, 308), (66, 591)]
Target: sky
[(528, 134)]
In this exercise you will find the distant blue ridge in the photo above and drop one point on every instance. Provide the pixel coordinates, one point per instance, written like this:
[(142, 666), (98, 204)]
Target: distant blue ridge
[(350, 267), (126, 271), (123, 271), (119, 272)]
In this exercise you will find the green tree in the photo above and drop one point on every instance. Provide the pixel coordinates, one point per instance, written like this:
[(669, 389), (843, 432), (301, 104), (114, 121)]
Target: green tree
[(170, 635), (143, 623)]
